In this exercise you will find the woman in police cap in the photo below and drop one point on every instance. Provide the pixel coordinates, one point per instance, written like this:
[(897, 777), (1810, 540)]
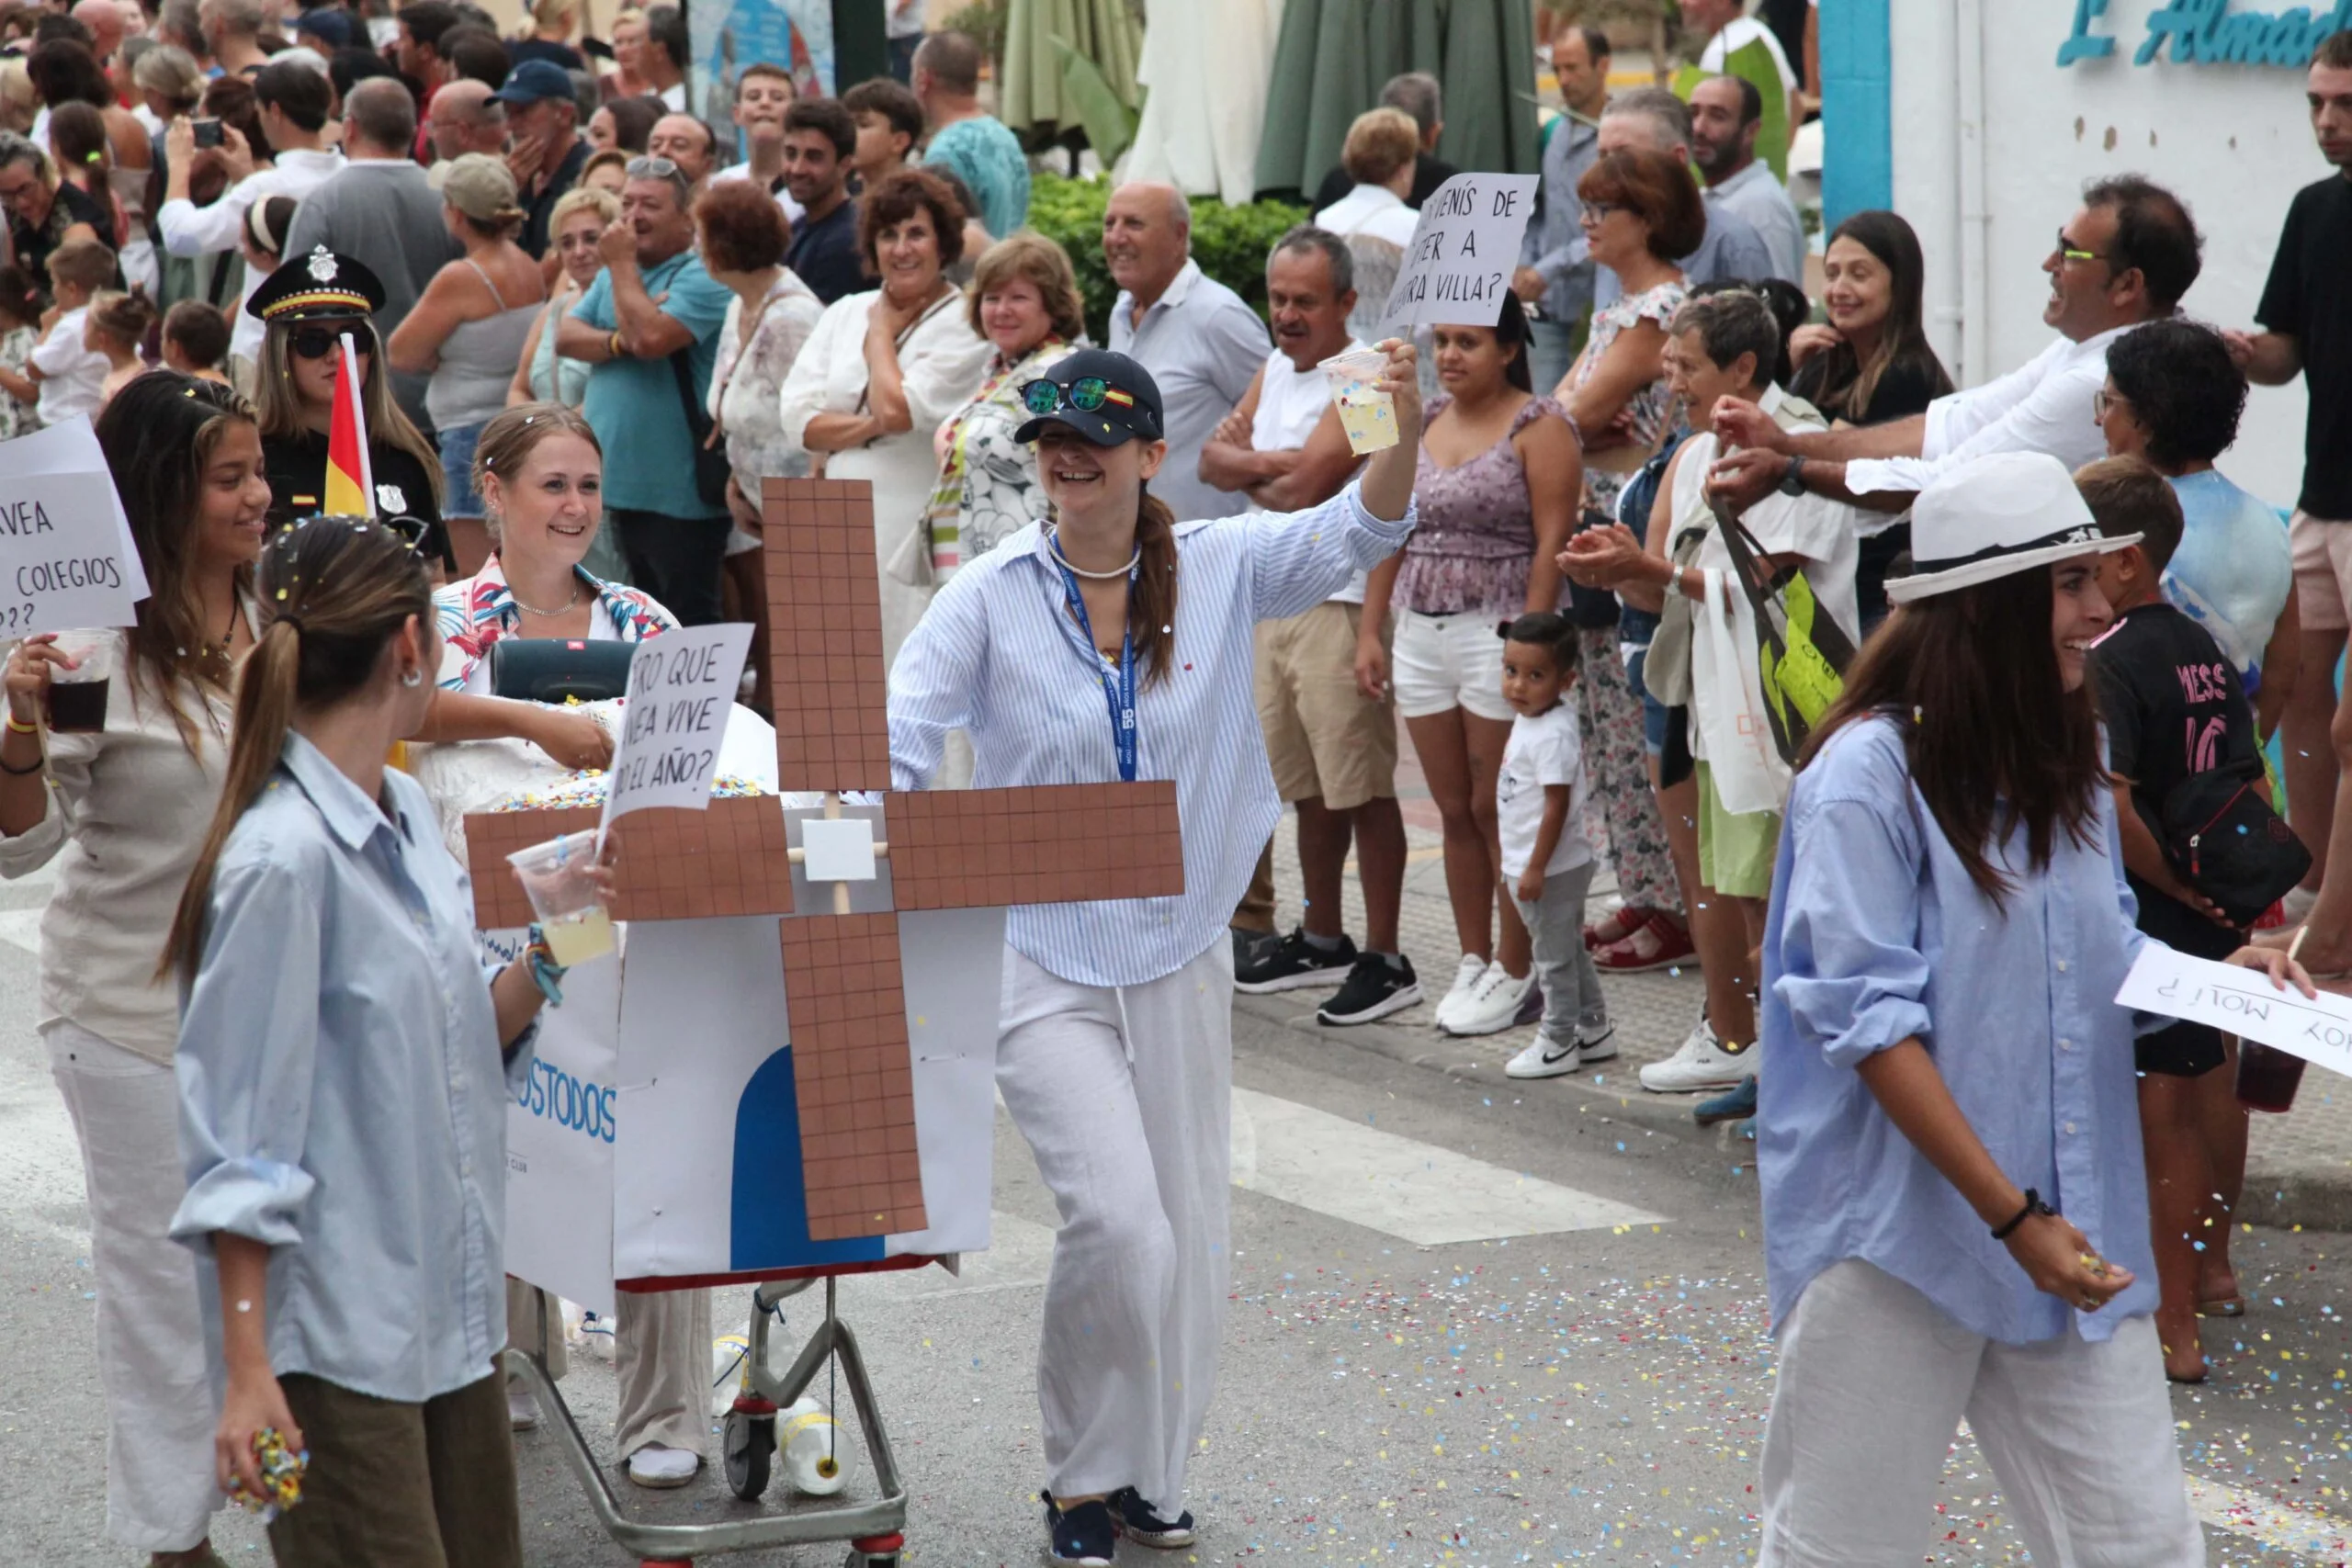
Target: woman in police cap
[(1115, 643), (306, 308)]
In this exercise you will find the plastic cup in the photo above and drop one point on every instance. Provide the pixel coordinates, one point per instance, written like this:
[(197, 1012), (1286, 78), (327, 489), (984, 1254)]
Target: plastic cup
[(2268, 1076), (1366, 413), (77, 697), (564, 896)]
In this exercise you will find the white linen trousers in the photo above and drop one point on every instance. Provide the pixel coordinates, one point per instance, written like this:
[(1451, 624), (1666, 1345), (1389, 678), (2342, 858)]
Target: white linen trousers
[(152, 1362), (1126, 1096), (1872, 1382)]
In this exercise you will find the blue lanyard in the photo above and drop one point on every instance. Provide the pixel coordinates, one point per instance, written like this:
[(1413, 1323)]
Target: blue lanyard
[(1119, 690)]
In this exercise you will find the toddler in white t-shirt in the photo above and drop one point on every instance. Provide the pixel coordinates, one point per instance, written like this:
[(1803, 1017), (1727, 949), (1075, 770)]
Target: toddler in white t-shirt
[(1547, 865)]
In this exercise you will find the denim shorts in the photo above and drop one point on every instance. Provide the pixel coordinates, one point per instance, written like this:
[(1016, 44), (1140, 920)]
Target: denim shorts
[(1653, 712), (459, 497)]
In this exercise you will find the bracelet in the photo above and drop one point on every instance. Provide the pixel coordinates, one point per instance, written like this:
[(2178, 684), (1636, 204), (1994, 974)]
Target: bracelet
[(16, 728), (613, 346), (2033, 1205), (545, 972), (39, 764)]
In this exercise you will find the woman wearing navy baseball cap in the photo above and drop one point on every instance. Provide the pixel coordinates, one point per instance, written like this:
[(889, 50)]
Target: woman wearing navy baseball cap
[(1115, 643)]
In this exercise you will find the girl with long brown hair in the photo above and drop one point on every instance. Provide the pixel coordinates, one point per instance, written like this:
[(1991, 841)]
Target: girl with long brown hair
[(1118, 644), (1945, 1069), (345, 1065), (125, 804)]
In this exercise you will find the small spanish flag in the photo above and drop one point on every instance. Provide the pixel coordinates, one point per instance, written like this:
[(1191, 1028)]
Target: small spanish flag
[(350, 490)]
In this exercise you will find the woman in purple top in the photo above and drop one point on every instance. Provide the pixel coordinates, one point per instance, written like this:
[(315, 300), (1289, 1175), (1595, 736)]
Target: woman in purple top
[(1497, 488)]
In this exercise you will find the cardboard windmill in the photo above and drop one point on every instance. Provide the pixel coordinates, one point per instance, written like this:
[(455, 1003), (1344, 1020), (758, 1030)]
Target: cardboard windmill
[(802, 1075)]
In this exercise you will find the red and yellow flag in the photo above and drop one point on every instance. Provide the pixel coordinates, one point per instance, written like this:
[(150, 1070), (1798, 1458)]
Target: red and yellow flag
[(350, 490)]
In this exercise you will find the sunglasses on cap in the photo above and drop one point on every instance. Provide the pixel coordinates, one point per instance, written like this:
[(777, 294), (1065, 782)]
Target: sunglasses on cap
[(1087, 395), (316, 342), (411, 531)]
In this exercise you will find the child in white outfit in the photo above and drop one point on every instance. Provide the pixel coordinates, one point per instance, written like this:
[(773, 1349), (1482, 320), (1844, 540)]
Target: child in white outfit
[(1547, 865)]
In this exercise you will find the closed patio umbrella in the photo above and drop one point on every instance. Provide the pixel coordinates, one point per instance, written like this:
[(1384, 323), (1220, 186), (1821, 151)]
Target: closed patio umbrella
[(1068, 62)]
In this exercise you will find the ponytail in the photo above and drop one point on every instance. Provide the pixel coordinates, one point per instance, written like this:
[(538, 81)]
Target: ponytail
[(337, 589), (1154, 602)]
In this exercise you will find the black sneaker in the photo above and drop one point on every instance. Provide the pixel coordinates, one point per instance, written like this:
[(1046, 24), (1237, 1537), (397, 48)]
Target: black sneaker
[(1086, 1534), (1139, 1524), (1247, 944), (1375, 988), (1293, 963)]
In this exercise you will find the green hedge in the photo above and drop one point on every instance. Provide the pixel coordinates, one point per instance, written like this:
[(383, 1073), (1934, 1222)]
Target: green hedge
[(1231, 243)]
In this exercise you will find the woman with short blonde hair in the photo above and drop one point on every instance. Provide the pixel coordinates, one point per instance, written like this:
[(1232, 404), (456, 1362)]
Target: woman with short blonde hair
[(1379, 143), (1045, 266)]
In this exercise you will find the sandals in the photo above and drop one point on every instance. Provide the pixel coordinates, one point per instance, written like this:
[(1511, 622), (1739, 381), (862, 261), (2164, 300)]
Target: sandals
[(1658, 942)]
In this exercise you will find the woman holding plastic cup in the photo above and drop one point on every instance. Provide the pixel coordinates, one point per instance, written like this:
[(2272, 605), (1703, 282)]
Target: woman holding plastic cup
[(345, 1065), (126, 799), (1081, 653)]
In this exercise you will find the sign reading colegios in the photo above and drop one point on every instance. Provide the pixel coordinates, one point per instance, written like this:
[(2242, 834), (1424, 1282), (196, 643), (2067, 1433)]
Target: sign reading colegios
[(2208, 33)]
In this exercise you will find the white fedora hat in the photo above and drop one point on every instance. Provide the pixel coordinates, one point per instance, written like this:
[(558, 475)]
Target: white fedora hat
[(1994, 517)]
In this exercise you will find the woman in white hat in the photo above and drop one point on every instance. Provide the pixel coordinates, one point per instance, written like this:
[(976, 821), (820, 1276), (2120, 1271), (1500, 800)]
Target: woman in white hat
[(1955, 1208)]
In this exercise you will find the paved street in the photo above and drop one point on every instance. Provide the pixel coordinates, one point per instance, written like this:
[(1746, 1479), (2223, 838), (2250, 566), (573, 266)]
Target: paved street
[(1474, 1323)]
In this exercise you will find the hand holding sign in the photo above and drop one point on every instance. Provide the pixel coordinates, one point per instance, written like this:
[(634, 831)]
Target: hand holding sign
[(1465, 249), (681, 688), (66, 559)]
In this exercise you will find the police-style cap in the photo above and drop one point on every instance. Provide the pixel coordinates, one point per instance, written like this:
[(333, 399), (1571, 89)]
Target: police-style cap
[(1105, 397), (322, 284)]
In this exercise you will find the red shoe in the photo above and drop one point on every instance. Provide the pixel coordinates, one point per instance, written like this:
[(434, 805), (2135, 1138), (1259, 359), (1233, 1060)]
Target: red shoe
[(1659, 942), (1614, 928)]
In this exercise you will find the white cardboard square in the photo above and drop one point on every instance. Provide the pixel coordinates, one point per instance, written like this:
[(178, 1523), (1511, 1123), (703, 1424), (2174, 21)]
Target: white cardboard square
[(66, 557), (838, 848)]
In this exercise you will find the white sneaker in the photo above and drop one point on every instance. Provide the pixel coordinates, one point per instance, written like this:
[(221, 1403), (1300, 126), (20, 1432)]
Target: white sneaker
[(661, 1468), (1598, 1046), (522, 1407), (1701, 1063), (1541, 1059), (1494, 1006), (1457, 996)]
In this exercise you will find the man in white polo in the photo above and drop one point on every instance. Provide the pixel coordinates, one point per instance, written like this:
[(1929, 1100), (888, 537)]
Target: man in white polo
[(1330, 733)]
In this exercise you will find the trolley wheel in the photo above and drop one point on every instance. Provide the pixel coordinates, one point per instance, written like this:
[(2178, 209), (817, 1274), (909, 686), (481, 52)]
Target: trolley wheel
[(876, 1551), (749, 1442)]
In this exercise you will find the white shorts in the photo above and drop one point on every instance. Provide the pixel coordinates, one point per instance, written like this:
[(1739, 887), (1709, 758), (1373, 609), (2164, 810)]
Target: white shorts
[(1449, 662)]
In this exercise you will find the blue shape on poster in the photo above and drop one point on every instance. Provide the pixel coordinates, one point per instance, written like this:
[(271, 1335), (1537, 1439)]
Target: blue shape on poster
[(769, 1226)]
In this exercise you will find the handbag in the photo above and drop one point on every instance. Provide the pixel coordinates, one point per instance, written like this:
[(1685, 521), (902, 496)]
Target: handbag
[(2226, 843), (1666, 673), (1802, 652), (711, 468), (1591, 609)]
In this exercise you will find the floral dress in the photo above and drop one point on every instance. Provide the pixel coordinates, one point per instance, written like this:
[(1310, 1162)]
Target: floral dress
[(1648, 407), (744, 385), (988, 487), (16, 352)]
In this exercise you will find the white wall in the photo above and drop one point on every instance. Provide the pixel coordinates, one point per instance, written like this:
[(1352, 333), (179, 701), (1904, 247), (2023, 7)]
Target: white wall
[(2233, 142)]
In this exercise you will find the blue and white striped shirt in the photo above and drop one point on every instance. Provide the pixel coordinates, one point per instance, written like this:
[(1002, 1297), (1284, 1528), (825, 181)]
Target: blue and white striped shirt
[(998, 655)]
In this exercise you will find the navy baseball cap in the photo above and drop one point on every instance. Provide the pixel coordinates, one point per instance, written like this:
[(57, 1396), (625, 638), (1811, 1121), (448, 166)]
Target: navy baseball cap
[(534, 81), (329, 25), (1105, 397)]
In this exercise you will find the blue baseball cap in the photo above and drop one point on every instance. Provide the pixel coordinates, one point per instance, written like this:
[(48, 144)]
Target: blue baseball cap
[(535, 81), (329, 25)]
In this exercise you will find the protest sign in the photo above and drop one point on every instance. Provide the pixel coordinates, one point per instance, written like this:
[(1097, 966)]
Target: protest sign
[(1464, 249), (682, 687), (2242, 1002), (66, 559)]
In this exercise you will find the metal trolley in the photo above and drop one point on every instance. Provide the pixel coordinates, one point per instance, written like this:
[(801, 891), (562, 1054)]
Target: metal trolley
[(872, 1530)]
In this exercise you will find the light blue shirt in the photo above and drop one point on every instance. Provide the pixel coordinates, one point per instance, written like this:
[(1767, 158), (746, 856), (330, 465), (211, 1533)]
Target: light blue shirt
[(1876, 934), (987, 158), (1554, 244), (1203, 344), (2234, 570), (634, 405), (999, 654), (341, 1097)]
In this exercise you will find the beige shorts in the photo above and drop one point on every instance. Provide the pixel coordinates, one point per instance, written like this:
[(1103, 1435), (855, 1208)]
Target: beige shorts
[(2323, 549), (1324, 737)]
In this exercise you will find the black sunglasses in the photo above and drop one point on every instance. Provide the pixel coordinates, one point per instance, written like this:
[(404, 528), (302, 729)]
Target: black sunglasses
[(316, 342)]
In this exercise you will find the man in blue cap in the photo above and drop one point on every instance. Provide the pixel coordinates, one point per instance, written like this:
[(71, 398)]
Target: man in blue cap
[(544, 115)]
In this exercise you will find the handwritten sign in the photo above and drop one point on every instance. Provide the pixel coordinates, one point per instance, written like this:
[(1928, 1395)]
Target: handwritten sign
[(1464, 250), (2242, 1002), (682, 687), (66, 559)]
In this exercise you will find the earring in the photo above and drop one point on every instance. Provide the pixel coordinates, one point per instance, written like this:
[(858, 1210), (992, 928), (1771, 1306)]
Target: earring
[(412, 678)]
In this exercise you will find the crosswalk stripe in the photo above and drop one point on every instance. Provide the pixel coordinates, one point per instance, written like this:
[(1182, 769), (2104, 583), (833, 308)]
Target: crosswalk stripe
[(1419, 1193)]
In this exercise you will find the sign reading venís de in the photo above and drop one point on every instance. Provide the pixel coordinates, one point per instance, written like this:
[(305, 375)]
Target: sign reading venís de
[(1464, 249)]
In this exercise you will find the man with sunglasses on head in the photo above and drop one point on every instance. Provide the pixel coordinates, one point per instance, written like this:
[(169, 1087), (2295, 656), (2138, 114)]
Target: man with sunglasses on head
[(2124, 258), (652, 312), (381, 210)]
